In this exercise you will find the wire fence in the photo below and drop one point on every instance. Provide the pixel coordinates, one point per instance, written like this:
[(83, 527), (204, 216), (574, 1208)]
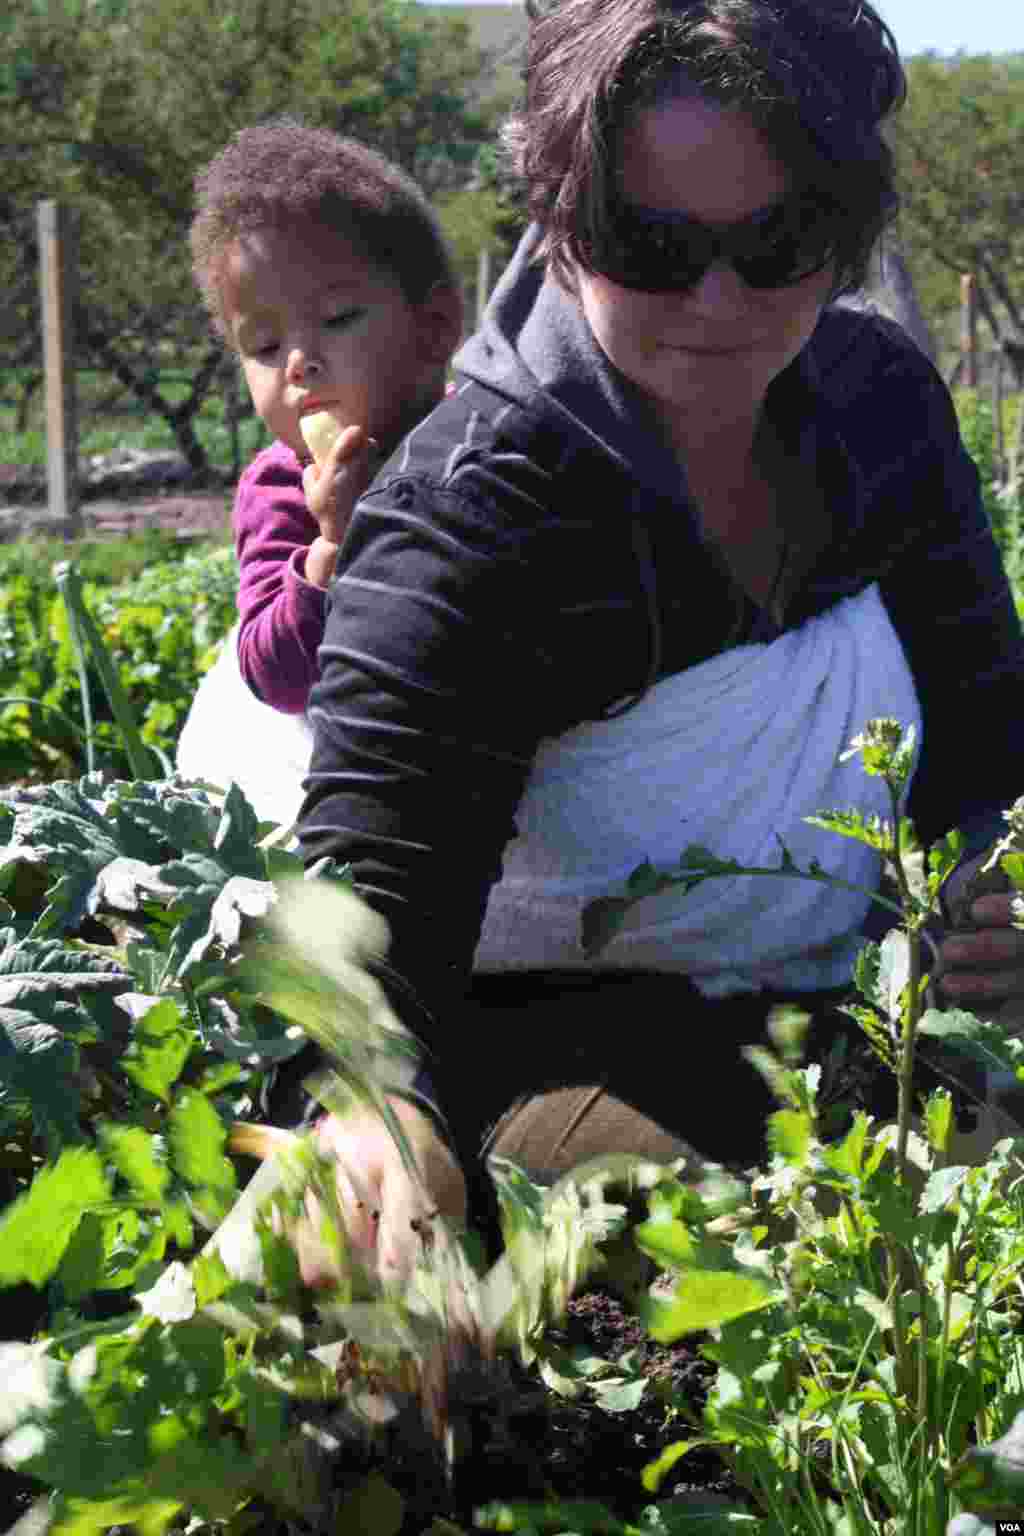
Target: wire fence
[(146, 361)]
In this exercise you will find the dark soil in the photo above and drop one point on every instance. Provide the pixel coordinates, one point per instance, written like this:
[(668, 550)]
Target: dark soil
[(522, 1442)]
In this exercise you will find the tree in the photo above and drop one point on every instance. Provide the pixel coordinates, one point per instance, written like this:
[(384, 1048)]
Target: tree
[(112, 105), (959, 145)]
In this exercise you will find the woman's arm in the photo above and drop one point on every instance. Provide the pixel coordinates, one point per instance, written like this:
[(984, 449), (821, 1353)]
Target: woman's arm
[(951, 604), (282, 614), (910, 516), (426, 719)]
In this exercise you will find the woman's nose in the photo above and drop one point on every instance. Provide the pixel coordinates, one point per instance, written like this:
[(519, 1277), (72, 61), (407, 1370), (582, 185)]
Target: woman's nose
[(721, 286)]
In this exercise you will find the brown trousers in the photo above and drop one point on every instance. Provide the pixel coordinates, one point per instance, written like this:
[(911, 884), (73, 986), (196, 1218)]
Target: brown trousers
[(559, 1069)]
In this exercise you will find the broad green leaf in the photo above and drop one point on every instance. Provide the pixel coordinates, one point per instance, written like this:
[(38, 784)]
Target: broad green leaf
[(210, 1277), (38, 1074), (95, 1517), (161, 1046), (212, 1474), (266, 1412), (865, 972), (36, 1228), (83, 1267), (944, 856), (847, 1156), (669, 1243), (703, 1299), (133, 1151), (178, 1223), (197, 1138), (237, 835), (872, 831), (789, 1135), (941, 1188), (124, 884)]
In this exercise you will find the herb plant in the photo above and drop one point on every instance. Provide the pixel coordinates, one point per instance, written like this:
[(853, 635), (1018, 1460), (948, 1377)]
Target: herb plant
[(888, 1350)]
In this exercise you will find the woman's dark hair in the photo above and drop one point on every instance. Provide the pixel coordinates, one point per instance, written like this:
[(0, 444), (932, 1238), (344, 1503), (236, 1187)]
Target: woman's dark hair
[(818, 78), (282, 172)]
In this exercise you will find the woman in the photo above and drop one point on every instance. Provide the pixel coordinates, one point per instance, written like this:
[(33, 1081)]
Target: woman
[(683, 528)]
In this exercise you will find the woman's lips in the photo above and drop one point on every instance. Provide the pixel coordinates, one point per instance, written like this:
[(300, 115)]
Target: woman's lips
[(682, 346)]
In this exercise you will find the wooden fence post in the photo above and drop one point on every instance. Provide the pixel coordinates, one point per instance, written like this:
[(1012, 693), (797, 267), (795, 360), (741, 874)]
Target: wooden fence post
[(998, 444), (483, 282), (969, 330), (58, 270)]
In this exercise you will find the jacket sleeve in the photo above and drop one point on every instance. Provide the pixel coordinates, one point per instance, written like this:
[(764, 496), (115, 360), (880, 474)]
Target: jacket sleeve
[(426, 720), (950, 601), (281, 613)]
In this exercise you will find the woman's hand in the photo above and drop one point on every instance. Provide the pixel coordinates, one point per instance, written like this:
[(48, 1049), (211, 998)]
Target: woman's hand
[(390, 1218), (332, 490), (388, 1214), (985, 967)]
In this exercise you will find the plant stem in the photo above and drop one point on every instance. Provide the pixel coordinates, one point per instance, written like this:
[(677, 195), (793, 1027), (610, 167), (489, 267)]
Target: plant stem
[(84, 629), (905, 1086), (911, 918)]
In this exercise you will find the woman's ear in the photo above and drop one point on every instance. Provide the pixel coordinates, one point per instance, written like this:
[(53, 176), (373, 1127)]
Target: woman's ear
[(440, 318)]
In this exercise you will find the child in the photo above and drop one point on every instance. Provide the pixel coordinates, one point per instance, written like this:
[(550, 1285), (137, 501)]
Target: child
[(324, 269)]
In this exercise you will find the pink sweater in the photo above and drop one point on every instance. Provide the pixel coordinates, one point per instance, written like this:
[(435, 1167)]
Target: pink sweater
[(282, 614)]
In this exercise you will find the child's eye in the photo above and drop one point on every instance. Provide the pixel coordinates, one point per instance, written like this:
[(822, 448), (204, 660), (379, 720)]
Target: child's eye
[(341, 319), (267, 349)]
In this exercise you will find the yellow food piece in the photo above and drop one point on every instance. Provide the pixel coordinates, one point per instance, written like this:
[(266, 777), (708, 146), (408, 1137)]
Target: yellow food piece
[(319, 429)]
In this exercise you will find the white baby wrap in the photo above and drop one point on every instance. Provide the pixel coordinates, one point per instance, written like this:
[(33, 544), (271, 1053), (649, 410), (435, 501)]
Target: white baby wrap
[(725, 754), (230, 736)]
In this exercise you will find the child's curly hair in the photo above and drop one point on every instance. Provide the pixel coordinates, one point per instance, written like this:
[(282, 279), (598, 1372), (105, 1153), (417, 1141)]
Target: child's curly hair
[(283, 172)]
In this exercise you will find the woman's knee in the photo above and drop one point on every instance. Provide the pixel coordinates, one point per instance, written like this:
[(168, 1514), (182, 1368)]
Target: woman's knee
[(548, 1134)]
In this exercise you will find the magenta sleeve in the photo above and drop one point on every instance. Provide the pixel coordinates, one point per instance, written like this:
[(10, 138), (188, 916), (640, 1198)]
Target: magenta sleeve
[(281, 614)]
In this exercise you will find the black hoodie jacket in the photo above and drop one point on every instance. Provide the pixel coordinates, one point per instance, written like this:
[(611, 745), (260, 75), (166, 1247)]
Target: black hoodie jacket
[(530, 558)]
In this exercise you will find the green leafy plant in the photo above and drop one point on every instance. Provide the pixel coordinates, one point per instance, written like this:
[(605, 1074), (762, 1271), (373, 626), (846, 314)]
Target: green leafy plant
[(159, 955), (859, 1395), (1006, 513), (859, 1298), (157, 633)]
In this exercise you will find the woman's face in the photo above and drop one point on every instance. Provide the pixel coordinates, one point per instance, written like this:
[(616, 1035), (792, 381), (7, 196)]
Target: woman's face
[(707, 355)]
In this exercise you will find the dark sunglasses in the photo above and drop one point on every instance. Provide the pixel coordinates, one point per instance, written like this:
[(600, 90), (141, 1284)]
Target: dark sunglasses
[(659, 252)]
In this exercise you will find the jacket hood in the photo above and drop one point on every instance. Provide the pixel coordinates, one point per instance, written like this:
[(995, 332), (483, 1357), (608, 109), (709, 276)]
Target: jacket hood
[(536, 349)]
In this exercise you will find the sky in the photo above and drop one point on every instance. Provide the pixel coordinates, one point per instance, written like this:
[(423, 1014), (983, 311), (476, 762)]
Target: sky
[(946, 26)]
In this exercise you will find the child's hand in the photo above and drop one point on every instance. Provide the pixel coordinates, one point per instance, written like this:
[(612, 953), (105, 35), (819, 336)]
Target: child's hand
[(332, 490)]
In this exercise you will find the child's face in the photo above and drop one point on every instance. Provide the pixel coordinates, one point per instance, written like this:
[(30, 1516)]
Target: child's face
[(315, 324)]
